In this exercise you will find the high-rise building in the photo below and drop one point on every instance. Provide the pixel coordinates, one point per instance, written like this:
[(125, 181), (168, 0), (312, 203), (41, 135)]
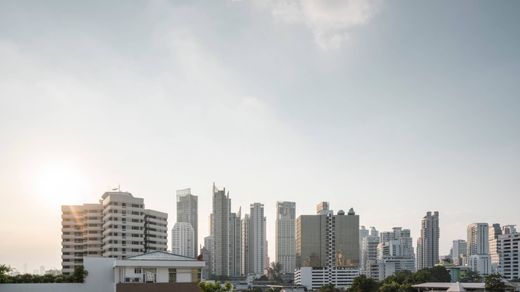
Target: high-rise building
[(155, 230), (478, 239), (244, 251), (226, 234), (187, 211), (82, 228), (494, 231), (396, 253), (221, 217), (235, 238), (118, 227), (508, 246), (369, 266), (257, 239), (285, 236), (428, 243), (183, 236), (207, 256), (327, 248), (459, 252)]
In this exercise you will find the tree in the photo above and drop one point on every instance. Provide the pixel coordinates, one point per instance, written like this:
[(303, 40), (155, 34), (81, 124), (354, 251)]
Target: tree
[(215, 287), (4, 270), (79, 274), (364, 284), (329, 288), (390, 287), (471, 277), (435, 274), (494, 283), (274, 272)]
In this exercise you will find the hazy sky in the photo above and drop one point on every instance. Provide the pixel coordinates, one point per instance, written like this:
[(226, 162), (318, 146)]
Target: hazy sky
[(393, 108)]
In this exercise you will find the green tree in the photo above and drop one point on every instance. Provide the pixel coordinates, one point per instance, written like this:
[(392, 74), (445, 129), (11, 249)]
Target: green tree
[(471, 277), (494, 283), (4, 270), (435, 274), (215, 287), (274, 272), (79, 275), (364, 284), (390, 287), (329, 288)]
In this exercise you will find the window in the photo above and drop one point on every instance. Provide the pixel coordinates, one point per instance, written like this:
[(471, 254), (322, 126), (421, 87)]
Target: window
[(195, 275), (172, 275), (137, 271)]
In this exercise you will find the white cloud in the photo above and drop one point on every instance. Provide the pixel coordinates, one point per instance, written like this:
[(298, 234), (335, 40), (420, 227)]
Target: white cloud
[(330, 21)]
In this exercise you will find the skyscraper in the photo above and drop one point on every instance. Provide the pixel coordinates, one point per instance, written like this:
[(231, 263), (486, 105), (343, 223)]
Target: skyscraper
[(459, 251), (235, 238), (244, 251), (327, 248), (479, 259), (285, 245), (428, 243), (257, 239), (220, 219), (478, 239), (182, 239), (187, 211), (508, 246)]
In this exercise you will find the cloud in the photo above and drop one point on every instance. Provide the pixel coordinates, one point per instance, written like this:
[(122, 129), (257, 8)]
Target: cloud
[(330, 21)]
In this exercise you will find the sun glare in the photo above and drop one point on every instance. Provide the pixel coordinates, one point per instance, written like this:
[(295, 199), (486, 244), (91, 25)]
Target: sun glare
[(60, 183)]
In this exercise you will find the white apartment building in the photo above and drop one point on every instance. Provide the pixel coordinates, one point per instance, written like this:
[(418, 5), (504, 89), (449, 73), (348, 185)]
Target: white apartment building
[(117, 227), (123, 225), (369, 266), (285, 244), (315, 277), (183, 236), (480, 263), (396, 253), (187, 211), (508, 245), (478, 239), (81, 234)]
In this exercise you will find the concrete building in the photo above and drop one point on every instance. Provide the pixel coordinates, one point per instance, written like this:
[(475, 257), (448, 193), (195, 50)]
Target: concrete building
[(508, 246), (236, 243), (459, 252), (428, 243), (117, 227), (82, 228), (221, 217), (369, 265), (244, 251), (327, 248), (285, 244), (396, 253), (494, 231), (183, 236), (478, 239), (480, 263), (155, 230), (187, 211), (257, 239), (207, 256)]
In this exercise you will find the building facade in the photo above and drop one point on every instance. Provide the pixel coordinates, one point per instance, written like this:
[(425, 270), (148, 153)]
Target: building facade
[(82, 234), (508, 246), (459, 252), (396, 253), (187, 211), (257, 239), (327, 248), (428, 243), (285, 244), (117, 227), (183, 236)]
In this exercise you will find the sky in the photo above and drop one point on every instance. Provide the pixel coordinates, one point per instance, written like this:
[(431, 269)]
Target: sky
[(394, 108)]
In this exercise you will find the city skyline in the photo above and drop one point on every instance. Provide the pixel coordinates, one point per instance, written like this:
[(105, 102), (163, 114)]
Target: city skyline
[(392, 108)]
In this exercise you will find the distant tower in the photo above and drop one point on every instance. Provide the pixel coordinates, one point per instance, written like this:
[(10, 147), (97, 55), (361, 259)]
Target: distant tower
[(257, 239), (182, 239), (428, 243), (187, 211), (285, 244)]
